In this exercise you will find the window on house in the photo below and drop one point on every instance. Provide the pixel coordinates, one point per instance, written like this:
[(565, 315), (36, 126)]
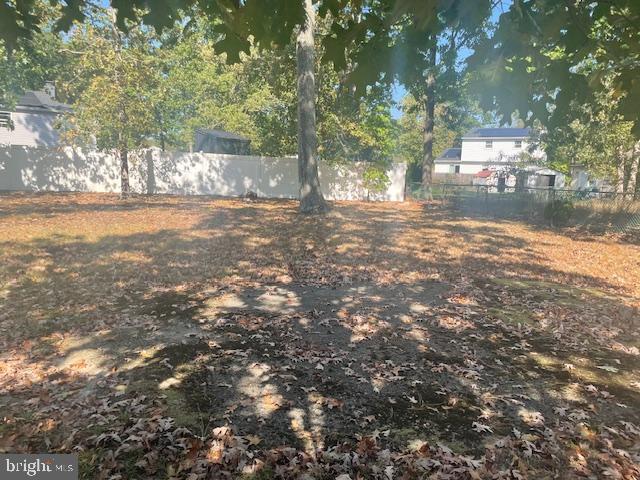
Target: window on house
[(457, 169), (517, 144), (488, 144), (5, 120)]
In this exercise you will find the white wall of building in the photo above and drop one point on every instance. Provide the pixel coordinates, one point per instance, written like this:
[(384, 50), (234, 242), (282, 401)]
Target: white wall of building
[(539, 178), (476, 155), (502, 150), (464, 167), (31, 130), (153, 171)]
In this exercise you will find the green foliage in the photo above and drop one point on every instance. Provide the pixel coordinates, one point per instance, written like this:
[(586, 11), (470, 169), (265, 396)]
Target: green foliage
[(200, 90), (388, 41), (528, 65), (175, 82), (452, 120), (415, 44), (572, 67), (31, 61), (257, 98), (354, 129), (558, 211), (114, 100), (601, 147), (236, 26), (598, 138), (375, 178), (391, 35), (547, 55)]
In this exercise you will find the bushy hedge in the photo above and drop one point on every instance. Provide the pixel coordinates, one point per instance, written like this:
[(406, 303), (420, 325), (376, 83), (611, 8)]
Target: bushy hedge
[(559, 211)]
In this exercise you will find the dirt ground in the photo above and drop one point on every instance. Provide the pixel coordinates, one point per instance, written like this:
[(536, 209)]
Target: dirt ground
[(191, 337)]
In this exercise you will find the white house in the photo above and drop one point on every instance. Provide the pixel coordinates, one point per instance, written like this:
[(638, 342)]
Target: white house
[(483, 148), (495, 150), (32, 122)]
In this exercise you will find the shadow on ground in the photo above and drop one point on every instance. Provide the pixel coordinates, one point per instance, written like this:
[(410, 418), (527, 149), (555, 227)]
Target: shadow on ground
[(312, 331)]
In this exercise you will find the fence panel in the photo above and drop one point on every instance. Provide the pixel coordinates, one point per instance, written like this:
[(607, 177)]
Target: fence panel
[(154, 171), (606, 211)]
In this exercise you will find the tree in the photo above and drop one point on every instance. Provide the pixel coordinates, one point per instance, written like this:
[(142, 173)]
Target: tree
[(195, 87), (114, 108), (243, 26), (451, 121), (234, 24), (426, 36), (199, 89), (311, 199), (353, 127), (374, 29), (574, 67), (546, 56), (598, 139), (32, 60), (373, 33)]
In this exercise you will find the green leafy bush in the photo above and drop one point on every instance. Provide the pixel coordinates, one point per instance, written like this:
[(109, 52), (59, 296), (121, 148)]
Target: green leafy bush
[(558, 211), (375, 179)]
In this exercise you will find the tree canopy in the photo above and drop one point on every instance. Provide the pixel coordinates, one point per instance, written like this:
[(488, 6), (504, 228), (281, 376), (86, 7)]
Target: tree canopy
[(527, 65), (542, 61), (599, 139), (135, 87), (546, 55), (416, 45), (452, 120)]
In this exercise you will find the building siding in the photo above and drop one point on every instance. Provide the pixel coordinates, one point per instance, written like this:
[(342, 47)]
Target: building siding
[(502, 151), (31, 130), (475, 155)]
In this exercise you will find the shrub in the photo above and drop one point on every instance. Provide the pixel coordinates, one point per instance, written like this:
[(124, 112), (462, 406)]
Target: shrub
[(558, 211), (375, 179)]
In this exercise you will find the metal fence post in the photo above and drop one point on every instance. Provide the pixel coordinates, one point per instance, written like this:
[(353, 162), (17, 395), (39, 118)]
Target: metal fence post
[(486, 200)]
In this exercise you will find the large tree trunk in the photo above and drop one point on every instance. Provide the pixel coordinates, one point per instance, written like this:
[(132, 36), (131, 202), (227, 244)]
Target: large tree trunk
[(311, 199), (124, 173), (161, 129), (427, 145), (122, 114), (625, 171)]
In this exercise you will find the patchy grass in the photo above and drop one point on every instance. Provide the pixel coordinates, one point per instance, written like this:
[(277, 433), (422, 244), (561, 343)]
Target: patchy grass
[(192, 337), (513, 315)]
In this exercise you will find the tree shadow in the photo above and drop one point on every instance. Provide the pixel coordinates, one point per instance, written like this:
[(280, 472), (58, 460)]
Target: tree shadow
[(308, 331)]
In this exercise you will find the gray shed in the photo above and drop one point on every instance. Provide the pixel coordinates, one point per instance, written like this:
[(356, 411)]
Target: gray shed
[(219, 141)]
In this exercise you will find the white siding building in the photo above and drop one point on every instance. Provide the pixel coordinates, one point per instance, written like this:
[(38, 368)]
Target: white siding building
[(484, 148), (491, 154), (32, 122)]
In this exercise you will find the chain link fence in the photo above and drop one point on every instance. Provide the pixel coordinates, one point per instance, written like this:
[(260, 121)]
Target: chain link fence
[(603, 211)]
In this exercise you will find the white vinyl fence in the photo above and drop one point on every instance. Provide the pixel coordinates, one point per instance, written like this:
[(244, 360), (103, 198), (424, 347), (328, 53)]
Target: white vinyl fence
[(154, 171)]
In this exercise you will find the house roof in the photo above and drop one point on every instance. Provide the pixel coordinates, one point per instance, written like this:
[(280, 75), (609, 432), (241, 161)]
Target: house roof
[(451, 154), (221, 134), (498, 133), (39, 100), (483, 173)]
